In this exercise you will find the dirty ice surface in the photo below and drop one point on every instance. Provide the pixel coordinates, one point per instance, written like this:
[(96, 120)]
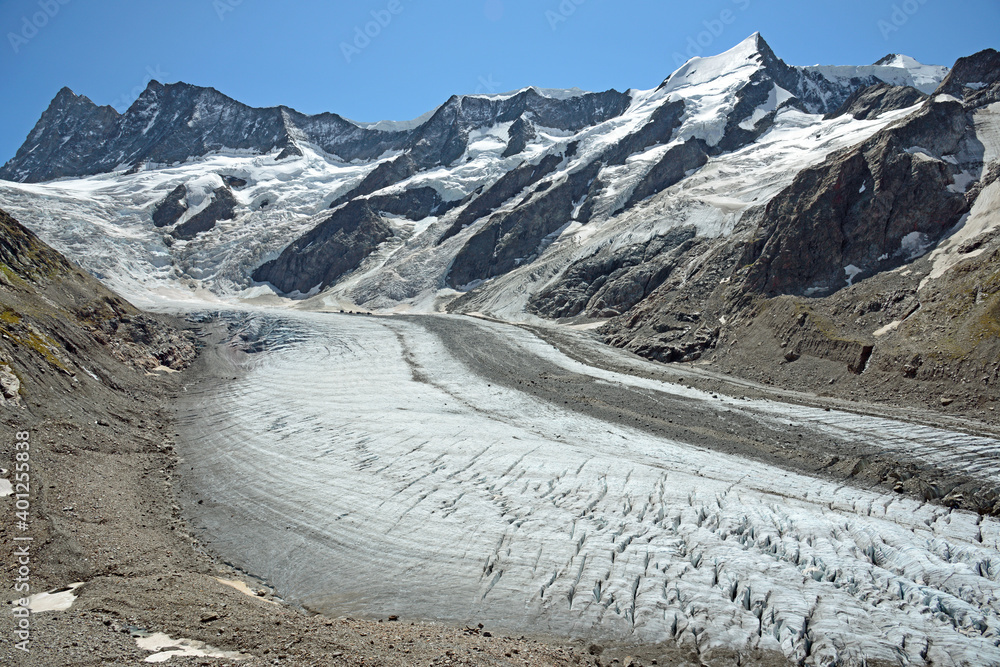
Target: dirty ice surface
[(359, 468)]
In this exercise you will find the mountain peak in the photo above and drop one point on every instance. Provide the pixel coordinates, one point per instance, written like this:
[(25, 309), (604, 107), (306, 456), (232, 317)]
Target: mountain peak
[(65, 93), (976, 71), (753, 51), (896, 60), (925, 78), (754, 45), (66, 98)]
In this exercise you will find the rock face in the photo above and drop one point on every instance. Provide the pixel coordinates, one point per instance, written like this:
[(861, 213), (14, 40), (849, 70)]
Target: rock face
[(513, 182), (168, 212), (521, 132), (974, 78), (677, 162), (383, 176), (44, 156), (508, 240), (222, 207), (171, 208), (867, 210), (335, 247), (611, 282), (806, 288), (873, 101), (413, 204)]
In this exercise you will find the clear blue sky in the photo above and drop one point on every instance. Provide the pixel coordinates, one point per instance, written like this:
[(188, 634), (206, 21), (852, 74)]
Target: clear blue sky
[(266, 53)]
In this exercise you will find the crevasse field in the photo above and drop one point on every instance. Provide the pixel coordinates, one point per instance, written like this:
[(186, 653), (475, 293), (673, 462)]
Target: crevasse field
[(360, 468)]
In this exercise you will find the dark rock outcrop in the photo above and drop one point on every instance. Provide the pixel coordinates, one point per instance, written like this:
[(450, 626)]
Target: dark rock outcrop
[(235, 182), (413, 204), (171, 208), (386, 174), (509, 185), (671, 169), (521, 132), (45, 154), (511, 239), (975, 77), (222, 207), (658, 130), (333, 248), (873, 101), (611, 281), (872, 208)]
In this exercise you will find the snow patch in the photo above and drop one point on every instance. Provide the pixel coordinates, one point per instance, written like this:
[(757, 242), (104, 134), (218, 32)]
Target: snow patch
[(944, 97), (246, 590), (892, 326), (914, 245), (915, 150), (852, 273), (166, 648), (57, 600), (962, 182), (199, 190)]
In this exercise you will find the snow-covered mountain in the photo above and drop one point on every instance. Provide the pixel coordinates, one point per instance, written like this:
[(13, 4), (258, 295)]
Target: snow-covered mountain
[(227, 186), (739, 173)]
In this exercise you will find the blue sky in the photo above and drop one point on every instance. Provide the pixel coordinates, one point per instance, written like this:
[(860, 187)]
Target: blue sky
[(307, 54)]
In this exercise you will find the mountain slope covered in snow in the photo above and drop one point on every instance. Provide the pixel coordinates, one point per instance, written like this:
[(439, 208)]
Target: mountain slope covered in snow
[(669, 213)]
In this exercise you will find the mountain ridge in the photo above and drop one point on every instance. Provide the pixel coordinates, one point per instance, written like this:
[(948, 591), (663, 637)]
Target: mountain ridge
[(278, 128), (739, 190)]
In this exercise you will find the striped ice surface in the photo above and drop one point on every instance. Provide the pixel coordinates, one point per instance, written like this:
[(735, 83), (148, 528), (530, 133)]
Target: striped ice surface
[(360, 469)]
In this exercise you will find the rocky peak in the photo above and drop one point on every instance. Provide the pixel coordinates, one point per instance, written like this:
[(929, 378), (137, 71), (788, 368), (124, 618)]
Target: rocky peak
[(873, 101), (67, 116), (973, 73)]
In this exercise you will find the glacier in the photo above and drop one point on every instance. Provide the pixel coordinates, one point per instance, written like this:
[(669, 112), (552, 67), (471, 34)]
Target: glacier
[(360, 467)]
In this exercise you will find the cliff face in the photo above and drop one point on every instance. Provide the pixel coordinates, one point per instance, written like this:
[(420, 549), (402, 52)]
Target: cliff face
[(333, 248), (865, 211)]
